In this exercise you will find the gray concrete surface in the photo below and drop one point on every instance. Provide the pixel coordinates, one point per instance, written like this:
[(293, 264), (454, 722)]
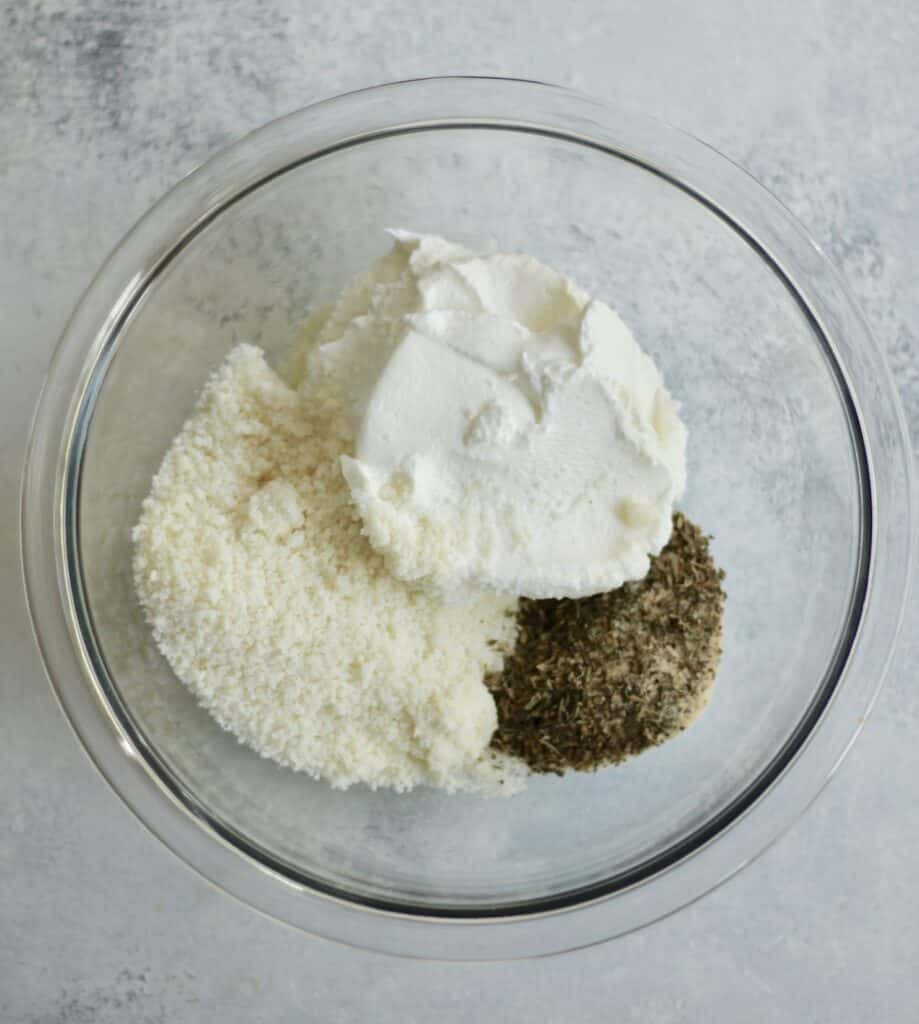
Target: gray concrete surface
[(103, 107)]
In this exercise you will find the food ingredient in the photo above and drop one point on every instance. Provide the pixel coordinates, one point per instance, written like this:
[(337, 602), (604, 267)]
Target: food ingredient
[(594, 681), (508, 432), (285, 624)]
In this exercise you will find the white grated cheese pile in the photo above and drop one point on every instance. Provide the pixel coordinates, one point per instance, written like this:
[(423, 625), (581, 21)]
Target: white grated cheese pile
[(274, 610)]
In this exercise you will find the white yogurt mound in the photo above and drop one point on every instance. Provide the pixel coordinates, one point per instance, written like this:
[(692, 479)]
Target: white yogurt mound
[(508, 432)]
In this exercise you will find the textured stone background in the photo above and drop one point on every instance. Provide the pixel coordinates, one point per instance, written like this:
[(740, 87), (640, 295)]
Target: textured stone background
[(103, 106)]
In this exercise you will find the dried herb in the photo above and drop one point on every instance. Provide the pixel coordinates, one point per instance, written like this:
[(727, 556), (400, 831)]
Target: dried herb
[(596, 680)]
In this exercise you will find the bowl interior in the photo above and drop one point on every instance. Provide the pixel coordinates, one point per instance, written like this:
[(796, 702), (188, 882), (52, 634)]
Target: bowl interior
[(772, 475)]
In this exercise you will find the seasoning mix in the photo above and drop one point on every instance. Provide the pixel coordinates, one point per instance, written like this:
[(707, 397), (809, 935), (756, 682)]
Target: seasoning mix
[(593, 681)]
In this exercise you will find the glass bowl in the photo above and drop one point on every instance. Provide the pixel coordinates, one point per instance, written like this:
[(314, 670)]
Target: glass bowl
[(798, 465)]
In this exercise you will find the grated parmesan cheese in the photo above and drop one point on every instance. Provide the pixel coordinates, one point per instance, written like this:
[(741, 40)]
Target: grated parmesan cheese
[(274, 610)]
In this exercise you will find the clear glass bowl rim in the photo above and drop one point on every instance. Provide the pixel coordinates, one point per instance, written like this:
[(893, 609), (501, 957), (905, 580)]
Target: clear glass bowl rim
[(426, 104)]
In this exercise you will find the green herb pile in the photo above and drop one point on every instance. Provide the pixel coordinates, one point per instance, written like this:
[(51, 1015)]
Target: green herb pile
[(593, 681)]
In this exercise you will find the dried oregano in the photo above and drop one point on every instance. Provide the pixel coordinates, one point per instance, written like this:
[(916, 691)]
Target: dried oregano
[(596, 680)]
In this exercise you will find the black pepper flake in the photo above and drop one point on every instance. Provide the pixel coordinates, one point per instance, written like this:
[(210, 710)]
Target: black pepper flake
[(593, 681)]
